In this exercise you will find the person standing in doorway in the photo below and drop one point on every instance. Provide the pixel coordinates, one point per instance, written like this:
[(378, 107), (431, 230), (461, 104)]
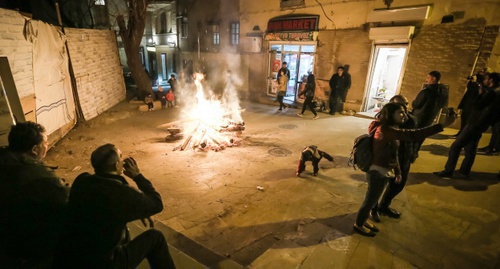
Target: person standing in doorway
[(339, 85), (286, 72), (283, 83)]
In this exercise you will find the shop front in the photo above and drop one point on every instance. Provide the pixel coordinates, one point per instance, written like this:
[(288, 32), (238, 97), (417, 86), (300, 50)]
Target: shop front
[(291, 39)]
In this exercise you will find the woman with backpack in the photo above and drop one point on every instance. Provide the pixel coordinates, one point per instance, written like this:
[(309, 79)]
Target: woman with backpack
[(385, 165), (309, 94)]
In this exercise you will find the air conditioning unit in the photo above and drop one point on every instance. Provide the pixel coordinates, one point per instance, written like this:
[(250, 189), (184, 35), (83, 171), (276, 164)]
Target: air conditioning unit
[(392, 34), (400, 14), (252, 44)]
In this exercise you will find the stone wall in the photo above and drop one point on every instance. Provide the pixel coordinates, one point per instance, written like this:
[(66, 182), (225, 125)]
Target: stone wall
[(344, 47), (19, 52), (97, 70)]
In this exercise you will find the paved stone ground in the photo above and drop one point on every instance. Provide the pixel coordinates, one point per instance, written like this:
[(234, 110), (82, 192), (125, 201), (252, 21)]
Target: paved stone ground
[(216, 217)]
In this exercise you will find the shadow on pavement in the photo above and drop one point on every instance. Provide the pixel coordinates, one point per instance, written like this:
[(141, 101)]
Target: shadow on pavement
[(477, 181), (436, 149), (258, 239)]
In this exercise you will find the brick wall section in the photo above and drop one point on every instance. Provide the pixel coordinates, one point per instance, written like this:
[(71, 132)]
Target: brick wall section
[(18, 50), (98, 73), (450, 49), (486, 50), (341, 47)]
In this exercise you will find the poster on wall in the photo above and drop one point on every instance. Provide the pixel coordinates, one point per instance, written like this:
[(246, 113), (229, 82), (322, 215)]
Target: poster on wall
[(276, 65)]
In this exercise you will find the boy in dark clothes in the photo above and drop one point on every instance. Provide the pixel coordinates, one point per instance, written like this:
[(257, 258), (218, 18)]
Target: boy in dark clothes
[(313, 154)]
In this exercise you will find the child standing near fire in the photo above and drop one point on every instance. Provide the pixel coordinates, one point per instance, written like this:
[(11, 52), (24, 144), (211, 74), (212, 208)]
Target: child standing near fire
[(313, 154), (170, 98)]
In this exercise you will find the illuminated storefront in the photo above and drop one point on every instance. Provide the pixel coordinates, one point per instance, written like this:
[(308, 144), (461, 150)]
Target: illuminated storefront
[(291, 39)]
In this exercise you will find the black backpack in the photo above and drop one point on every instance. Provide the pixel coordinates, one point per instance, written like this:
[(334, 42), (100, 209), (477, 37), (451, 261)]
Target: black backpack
[(361, 154)]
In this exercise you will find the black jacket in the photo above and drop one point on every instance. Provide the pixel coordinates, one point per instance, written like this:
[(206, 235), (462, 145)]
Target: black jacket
[(33, 202), (484, 111), (339, 85), (428, 103), (99, 208)]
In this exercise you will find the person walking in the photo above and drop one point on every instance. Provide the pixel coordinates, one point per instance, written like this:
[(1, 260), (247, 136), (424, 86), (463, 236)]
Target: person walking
[(308, 92), (484, 112), (340, 83), (283, 84), (385, 166)]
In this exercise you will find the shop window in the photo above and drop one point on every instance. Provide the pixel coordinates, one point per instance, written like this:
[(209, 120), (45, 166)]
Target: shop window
[(276, 48), (308, 48), (291, 48), (235, 33)]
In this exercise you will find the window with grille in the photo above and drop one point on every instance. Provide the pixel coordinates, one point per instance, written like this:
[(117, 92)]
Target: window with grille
[(184, 28), (216, 32), (235, 33)]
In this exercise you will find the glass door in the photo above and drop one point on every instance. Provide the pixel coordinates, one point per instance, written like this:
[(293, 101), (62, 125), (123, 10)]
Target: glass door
[(292, 60), (385, 75), (300, 62)]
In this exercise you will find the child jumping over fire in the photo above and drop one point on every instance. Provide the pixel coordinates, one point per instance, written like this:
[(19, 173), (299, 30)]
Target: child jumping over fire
[(313, 154)]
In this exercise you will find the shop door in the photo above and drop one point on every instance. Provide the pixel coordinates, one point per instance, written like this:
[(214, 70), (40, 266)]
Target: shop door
[(385, 75), (300, 62), (292, 60)]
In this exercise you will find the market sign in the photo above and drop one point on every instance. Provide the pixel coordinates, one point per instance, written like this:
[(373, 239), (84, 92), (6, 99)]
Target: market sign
[(298, 36), (295, 23)]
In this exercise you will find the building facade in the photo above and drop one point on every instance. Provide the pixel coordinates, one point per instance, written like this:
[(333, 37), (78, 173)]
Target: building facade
[(388, 49)]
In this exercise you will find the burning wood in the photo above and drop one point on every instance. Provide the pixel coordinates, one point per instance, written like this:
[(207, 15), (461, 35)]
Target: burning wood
[(209, 125)]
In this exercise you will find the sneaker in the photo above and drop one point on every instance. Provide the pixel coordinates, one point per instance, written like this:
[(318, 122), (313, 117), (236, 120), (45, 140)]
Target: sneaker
[(285, 109), (374, 215), (297, 174), (300, 115), (315, 117), (443, 173), (390, 212), (364, 231)]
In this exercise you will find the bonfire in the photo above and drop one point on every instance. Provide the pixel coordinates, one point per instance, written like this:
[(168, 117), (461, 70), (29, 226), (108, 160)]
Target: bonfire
[(210, 124)]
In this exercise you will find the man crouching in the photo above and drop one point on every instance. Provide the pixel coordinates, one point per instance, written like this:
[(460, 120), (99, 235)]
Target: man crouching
[(100, 206)]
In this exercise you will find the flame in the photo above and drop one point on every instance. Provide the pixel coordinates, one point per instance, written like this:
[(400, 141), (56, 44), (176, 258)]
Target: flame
[(208, 116)]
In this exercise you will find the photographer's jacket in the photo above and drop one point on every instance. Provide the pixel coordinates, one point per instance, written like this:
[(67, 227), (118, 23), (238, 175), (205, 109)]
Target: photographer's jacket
[(99, 208)]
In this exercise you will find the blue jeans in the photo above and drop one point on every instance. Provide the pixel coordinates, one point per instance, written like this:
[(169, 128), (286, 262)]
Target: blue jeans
[(376, 185)]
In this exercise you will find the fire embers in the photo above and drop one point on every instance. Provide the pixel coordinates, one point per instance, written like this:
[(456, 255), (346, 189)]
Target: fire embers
[(205, 137)]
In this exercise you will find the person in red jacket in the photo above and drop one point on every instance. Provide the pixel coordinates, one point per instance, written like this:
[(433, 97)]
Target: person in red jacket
[(385, 164), (170, 98)]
